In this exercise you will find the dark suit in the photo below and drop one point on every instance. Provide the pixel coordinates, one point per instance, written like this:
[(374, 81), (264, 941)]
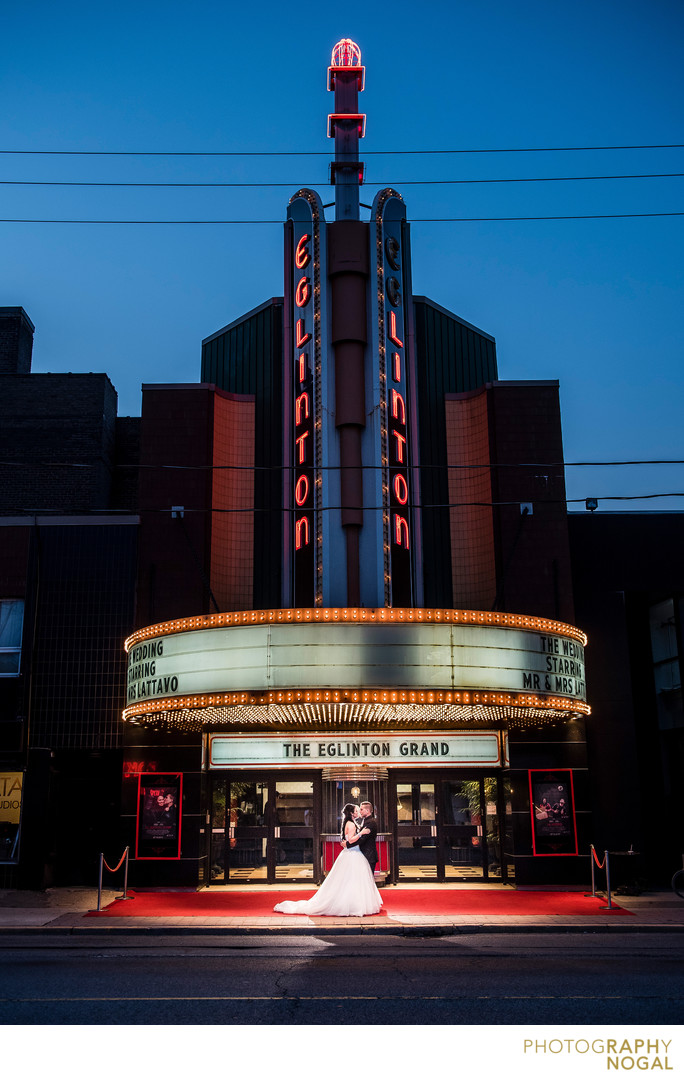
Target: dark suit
[(367, 842)]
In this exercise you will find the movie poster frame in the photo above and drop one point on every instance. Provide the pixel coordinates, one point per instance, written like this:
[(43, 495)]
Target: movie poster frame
[(163, 780), (554, 776)]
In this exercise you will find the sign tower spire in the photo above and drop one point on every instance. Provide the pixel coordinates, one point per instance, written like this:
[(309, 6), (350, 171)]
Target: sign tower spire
[(346, 125)]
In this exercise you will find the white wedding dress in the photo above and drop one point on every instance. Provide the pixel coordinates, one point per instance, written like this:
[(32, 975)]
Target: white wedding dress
[(349, 890)]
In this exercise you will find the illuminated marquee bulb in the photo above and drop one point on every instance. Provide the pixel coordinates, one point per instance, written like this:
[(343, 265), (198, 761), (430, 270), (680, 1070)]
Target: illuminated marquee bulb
[(346, 54)]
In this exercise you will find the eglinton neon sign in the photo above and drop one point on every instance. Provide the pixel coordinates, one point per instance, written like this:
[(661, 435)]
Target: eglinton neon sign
[(399, 492), (303, 349), (302, 253), (303, 412), (392, 290)]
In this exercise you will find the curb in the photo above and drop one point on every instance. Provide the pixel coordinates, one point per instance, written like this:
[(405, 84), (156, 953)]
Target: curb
[(402, 931)]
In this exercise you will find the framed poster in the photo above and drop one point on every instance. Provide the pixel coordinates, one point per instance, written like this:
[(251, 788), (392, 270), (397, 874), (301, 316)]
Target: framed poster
[(158, 827), (11, 790), (552, 806)]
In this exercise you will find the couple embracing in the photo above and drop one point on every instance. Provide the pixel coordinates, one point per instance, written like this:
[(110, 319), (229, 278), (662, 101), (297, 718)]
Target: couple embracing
[(349, 889)]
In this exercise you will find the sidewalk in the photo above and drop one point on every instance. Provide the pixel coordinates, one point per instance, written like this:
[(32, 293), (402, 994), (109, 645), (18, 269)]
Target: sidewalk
[(64, 912)]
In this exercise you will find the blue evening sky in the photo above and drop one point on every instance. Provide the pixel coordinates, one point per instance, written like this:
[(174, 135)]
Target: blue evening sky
[(594, 303)]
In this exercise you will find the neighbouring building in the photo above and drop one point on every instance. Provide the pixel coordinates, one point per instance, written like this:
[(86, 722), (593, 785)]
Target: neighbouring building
[(67, 581)]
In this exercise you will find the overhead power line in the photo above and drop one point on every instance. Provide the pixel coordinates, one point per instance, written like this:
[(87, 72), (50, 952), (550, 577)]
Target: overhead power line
[(332, 468), (327, 154), (334, 507), (279, 221), (320, 183)]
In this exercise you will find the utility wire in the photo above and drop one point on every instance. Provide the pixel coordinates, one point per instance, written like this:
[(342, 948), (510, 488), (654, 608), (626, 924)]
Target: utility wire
[(280, 221), (281, 468), (332, 507), (326, 153), (317, 184)]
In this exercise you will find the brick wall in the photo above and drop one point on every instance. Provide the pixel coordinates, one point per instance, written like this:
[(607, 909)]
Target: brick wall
[(15, 543), (126, 459), (204, 560), (473, 565), (232, 530), (176, 430), (533, 555), (16, 341), (57, 435)]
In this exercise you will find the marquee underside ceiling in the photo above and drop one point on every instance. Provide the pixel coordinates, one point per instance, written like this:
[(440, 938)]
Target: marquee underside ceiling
[(348, 717)]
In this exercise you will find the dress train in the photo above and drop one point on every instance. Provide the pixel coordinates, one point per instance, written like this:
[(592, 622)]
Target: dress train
[(349, 890)]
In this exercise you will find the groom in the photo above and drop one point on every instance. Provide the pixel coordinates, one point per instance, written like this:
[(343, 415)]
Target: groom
[(367, 842)]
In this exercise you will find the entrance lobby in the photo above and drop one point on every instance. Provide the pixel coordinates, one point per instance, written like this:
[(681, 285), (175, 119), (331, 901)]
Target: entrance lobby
[(432, 826)]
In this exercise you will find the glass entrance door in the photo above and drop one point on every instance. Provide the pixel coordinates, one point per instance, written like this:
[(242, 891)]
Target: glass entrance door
[(262, 829), (462, 829), (416, 847), (447, 829), (470, 835), (247, 828), (293, 830)]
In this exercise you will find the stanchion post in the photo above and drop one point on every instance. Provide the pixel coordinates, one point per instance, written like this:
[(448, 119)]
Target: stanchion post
[(124, 860), (607, 859), (125, 895), (99, 885), (593, 874)]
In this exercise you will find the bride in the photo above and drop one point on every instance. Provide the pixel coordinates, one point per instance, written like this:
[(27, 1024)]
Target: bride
[(349, 889)]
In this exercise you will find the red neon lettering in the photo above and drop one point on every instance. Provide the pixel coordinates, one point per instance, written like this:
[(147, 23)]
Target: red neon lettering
[(393, 329), (303, 367), (300, 444), (397, 402), (401, 489), (401, 531), (301, 335), (302, 256), (301, 407), (301, 490), (401, 443), (301, 526), (396, 367), (303, 292)]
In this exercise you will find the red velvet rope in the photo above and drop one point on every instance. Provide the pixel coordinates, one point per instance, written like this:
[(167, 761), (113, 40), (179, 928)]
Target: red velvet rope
[(599, 865), (112, 870)]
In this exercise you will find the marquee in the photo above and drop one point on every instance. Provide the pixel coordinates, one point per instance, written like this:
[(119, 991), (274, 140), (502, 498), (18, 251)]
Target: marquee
[(411, 659)]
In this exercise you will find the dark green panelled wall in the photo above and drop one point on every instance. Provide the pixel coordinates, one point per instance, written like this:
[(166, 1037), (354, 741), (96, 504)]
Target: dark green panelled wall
[(247, 358), (451, 357)]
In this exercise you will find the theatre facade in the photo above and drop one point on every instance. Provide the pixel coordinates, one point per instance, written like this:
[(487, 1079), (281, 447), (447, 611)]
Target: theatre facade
[(353, 581)]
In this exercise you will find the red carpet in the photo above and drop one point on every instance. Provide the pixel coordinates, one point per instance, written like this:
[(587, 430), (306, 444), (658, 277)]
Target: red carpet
[(398, 903)]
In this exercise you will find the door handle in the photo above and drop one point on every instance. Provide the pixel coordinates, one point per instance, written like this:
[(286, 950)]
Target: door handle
[(276, 831), (433, 831)]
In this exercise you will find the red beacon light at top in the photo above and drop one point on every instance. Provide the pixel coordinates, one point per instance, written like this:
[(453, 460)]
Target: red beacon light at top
[(346, 56)]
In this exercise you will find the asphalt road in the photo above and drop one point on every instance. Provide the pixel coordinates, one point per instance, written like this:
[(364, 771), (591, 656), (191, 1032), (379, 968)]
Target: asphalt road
[(569, 979)]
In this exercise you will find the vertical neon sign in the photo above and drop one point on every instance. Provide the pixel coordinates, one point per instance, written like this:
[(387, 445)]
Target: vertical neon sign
[(393, 325), (303, 292)]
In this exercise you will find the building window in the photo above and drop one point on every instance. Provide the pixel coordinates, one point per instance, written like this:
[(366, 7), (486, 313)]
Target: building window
[(11, 623), (666, 669)]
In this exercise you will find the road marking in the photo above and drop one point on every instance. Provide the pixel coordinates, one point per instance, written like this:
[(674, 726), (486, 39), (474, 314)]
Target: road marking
[(349, 998)]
